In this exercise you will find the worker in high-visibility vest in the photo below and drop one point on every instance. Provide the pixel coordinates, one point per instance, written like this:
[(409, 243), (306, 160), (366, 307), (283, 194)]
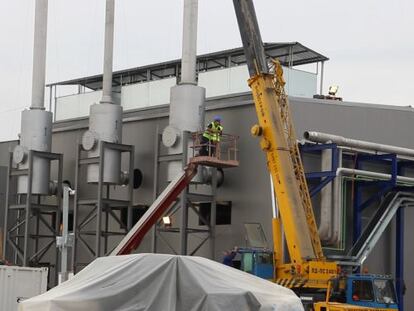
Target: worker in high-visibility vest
[(211, 137)]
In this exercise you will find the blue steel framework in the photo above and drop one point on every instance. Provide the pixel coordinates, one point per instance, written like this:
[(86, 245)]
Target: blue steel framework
[(324, 177), (382, 187), (399, 245), (399, 258)]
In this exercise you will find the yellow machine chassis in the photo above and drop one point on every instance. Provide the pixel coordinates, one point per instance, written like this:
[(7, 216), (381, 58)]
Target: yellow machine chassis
[(312, 274), (336, 306)]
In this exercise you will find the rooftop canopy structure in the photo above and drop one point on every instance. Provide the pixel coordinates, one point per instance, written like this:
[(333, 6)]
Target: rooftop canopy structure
[(289, 53)]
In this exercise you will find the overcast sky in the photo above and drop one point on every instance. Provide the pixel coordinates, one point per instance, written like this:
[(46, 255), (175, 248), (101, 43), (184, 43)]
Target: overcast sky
[(370, 43)]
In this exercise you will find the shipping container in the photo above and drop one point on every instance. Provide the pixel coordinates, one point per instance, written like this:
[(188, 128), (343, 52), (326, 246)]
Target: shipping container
[(20, 283)]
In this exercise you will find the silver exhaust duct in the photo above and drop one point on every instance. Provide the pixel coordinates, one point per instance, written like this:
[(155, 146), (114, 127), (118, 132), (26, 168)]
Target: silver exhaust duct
[(189, 57), (36, 123), (105, 118), (319, 137), (325, 224), (330, 224), (186, 98)]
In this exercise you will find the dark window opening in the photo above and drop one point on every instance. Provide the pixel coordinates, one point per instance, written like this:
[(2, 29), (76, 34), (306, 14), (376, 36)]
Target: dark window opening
[(362, 290), (223, 215), (70, 221), (137, 213), (138, 178)]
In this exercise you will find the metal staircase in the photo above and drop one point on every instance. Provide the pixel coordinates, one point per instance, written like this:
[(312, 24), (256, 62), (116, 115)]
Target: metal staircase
[(376, 226)]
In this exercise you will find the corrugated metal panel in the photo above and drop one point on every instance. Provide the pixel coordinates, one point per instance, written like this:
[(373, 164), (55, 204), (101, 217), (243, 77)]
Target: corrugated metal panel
[(20, 283)]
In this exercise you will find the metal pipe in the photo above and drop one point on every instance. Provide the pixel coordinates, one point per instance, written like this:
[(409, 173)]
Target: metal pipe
[(65, 233), (108, 53), (319, 137), (213, 215), (189, 57), (184, 224), (334, 237), (350, 150), (321, 82), (325, 224), (275, 214), (275, 210), (105, 118), (39, 55), (36, 123), (351, 171), (66, 239), (337, 206), (186, 98)]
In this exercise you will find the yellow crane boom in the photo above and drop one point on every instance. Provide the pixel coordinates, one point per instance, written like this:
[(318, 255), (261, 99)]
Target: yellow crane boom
[(307, 265), (278, 140)]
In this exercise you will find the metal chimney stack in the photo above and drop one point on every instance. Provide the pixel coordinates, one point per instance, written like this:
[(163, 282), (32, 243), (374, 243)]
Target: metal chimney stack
[(105, 118), (186, 98), (36, 123)]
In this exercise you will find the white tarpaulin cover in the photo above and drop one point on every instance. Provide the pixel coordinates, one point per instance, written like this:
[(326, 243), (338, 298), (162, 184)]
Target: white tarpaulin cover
[(158, 282)]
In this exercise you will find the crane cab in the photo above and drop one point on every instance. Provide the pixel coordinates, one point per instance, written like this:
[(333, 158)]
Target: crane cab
[(373, 291), (258, 262), (256, 258)]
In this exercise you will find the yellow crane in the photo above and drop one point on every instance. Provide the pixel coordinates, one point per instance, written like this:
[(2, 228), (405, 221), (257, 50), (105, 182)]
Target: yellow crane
[(278, 140), (308, 271), (308, 266)]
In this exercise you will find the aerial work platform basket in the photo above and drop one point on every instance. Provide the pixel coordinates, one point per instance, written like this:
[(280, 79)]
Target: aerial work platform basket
[(221, 154)]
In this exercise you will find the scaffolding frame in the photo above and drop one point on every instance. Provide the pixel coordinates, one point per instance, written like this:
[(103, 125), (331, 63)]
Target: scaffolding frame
[(183, 204), (189, 200), (100, 208), (28, 212)]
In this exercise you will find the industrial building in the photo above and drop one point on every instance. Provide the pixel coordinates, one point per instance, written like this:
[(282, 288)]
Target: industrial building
[(223, 202), (245, 189)]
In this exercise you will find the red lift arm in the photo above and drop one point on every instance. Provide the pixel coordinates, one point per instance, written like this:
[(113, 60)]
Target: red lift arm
[(134, 237)]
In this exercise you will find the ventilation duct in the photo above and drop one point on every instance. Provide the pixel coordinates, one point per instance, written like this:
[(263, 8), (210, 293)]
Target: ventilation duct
[(186, 98), (105, 118), (36, 123)]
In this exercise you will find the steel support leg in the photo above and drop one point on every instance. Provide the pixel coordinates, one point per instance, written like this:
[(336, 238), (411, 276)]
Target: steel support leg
[(75, 211), (130, 188), (183, 202), (213, 214), (184, 223), (99, 203), (399, 258), (27, 212), (155, 188), (6, 211)]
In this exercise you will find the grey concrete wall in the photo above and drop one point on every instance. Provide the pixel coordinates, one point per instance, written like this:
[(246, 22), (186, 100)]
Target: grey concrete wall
[(382, 124), (248, 186)]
